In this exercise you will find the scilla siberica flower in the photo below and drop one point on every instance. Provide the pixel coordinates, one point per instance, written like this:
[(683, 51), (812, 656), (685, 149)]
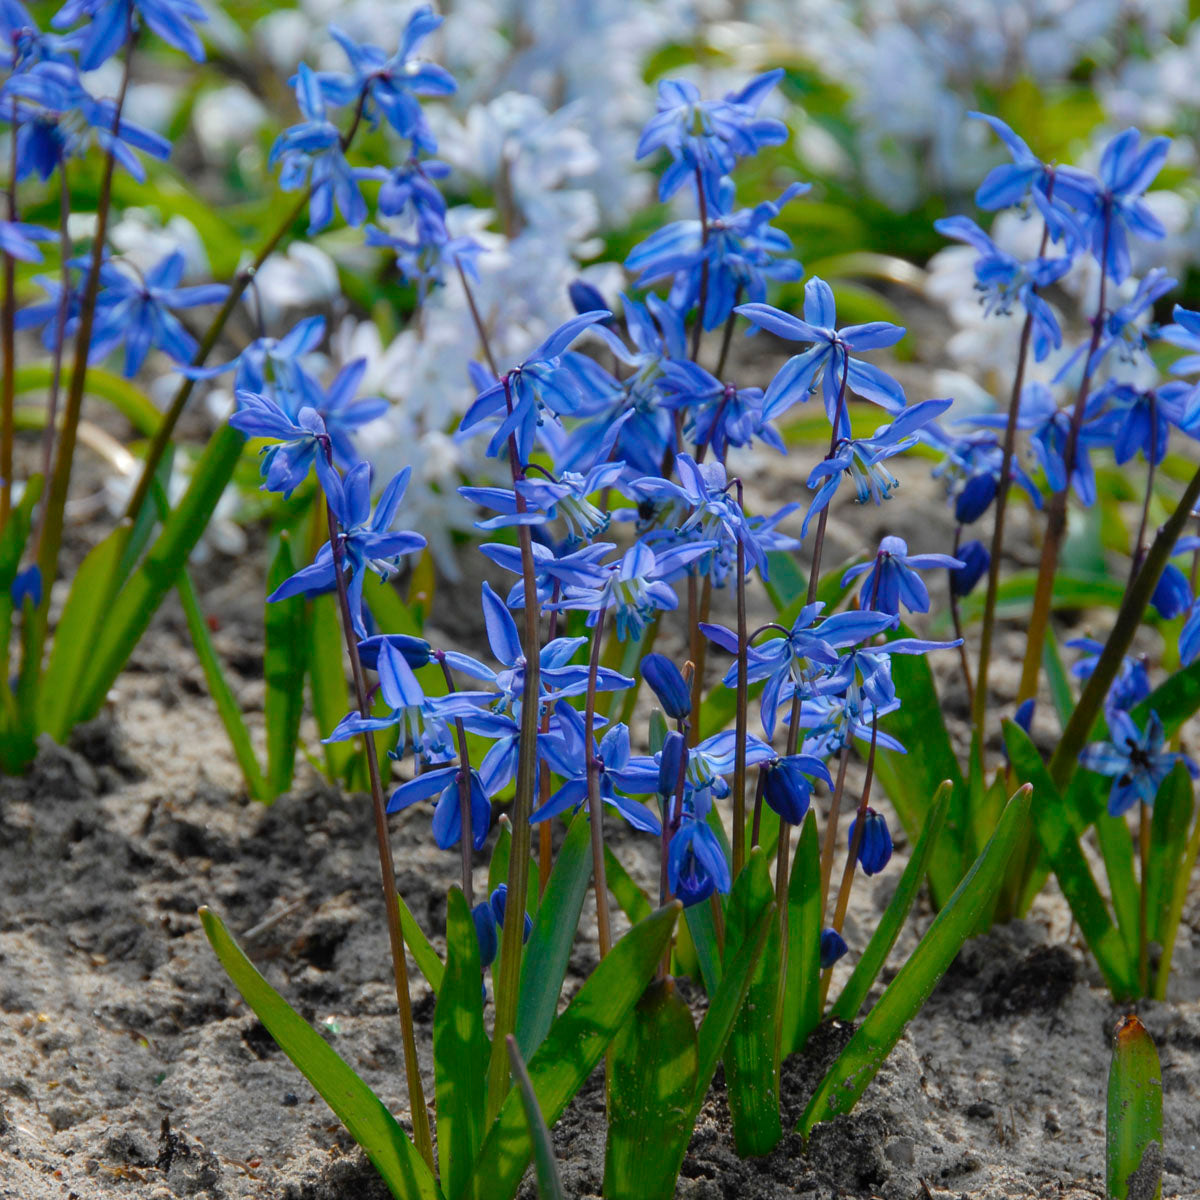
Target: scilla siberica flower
[(875, 845), (833, 947), (444, 783), (366, 541), (707, 137), (696, 865), (112, 20), (17, 240), (892, 579), (1132, 683), (668, 684), (1136, 761), (787, 786), (299, 441), (975, 559), (555, 569), (828, 362), (716, 414)]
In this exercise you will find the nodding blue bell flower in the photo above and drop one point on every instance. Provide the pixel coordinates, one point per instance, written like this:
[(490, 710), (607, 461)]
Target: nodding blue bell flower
[(485, 931), (975, 560), (586, 297), (668, 684), (975, 498), (875, 849), (499, 903), (672, 763), (833, 946), (414, 650), (787, 788), (1172, 595), (696, 865)]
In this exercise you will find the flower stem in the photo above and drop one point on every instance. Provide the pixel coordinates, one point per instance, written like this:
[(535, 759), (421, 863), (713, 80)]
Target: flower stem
[(963, 659), (595, 807), (545, 832), (8, 386), (467, 841), (1143, 926), (831, 829), (60, 327), (978, 695), (702, 295), (697, 614), (416, 1091), (1056, 513), (1129, 616), (1139, 545), (740, 723), (814, 574), (727, 335)]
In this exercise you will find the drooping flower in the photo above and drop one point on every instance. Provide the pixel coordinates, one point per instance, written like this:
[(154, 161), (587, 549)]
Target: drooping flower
[(892, 579), (875, 845), (787, 786), (1136, 761), (111, 22)]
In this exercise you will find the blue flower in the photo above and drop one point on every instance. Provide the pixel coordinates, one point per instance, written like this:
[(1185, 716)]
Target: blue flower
[(312, 153), (547, 499), (1004, 280), (829, 358), (1135, 419), (1131, 685), (618, 772), (668, 685), (708, 136), (540, 384), (485, 932), (27, 585), (833, 947), (1189, 637), (423, 261), (787, 786), (23, 45), (573, 572), (716, 414), (1136, 761), (301, 440), (1112, 206), (862, 459), (1172, 594), (696, 865), (17, 240), (892, 579), (875, 848), (447, 814), (734, 259), (111, 21), (366, 540), (976, 560), (390, 85), (137, 312)]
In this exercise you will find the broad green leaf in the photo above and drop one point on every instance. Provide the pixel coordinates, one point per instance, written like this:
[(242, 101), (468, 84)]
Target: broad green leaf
[(138, 600), (872, 1042), (124, 395), (867, 968), (1072, 589), (1134, 1145), (1172, 858), (802, 988), (1057, 679), (548, 950), (218, 686), (634, 902), (751, 1059), (420, 947), (1061, 846), (1116, 848), (360, 1110), (1175, 700), (548, 1181), (911, 779), (702, 928), (574, 1045), (653, 1065), (460, 1049), (79, 629), (327, 681), (786, 583), (285, 630), (498, 867)]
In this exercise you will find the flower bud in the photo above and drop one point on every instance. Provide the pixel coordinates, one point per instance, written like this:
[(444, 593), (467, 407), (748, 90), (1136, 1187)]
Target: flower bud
[(500, 904), (414, 650), (875, 849), (672, 763), (669, 685), (586, 298), (485, 931), (787, 790), (833, 946), (975, 498), (1172, 596), (975, 560)]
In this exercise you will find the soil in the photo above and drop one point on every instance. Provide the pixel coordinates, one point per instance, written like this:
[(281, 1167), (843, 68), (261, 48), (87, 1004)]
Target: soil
[(130, 1067)]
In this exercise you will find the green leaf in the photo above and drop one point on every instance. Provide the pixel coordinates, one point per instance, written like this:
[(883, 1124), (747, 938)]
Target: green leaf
[(138, 600), (653, 1066), (327, 681), (222, 694), (1170, 866), (13, 540), (74, 650), (802, 990), (634, 902), (703, 931), (460, 1048), (872, 1042), (574, 1045), (1060, 844), (498, 867), (786, 583), (1134, 1145), (751, 1059), (1116, 848), (285, 629), (126, 397), (420, 947), (548, 950), (549, 1184), (911, 779), (867, 968), (359, 1109), (1057, 679)]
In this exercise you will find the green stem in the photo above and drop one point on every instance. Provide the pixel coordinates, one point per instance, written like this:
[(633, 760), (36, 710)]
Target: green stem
[(741, 721), (8, 388), (1129, 617), (467, 841), (595, 806)]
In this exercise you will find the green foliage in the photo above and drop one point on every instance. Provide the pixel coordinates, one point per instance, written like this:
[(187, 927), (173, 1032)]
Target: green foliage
[(286, 628), (801, 1012), (549, 1184), (1134, 1143)]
